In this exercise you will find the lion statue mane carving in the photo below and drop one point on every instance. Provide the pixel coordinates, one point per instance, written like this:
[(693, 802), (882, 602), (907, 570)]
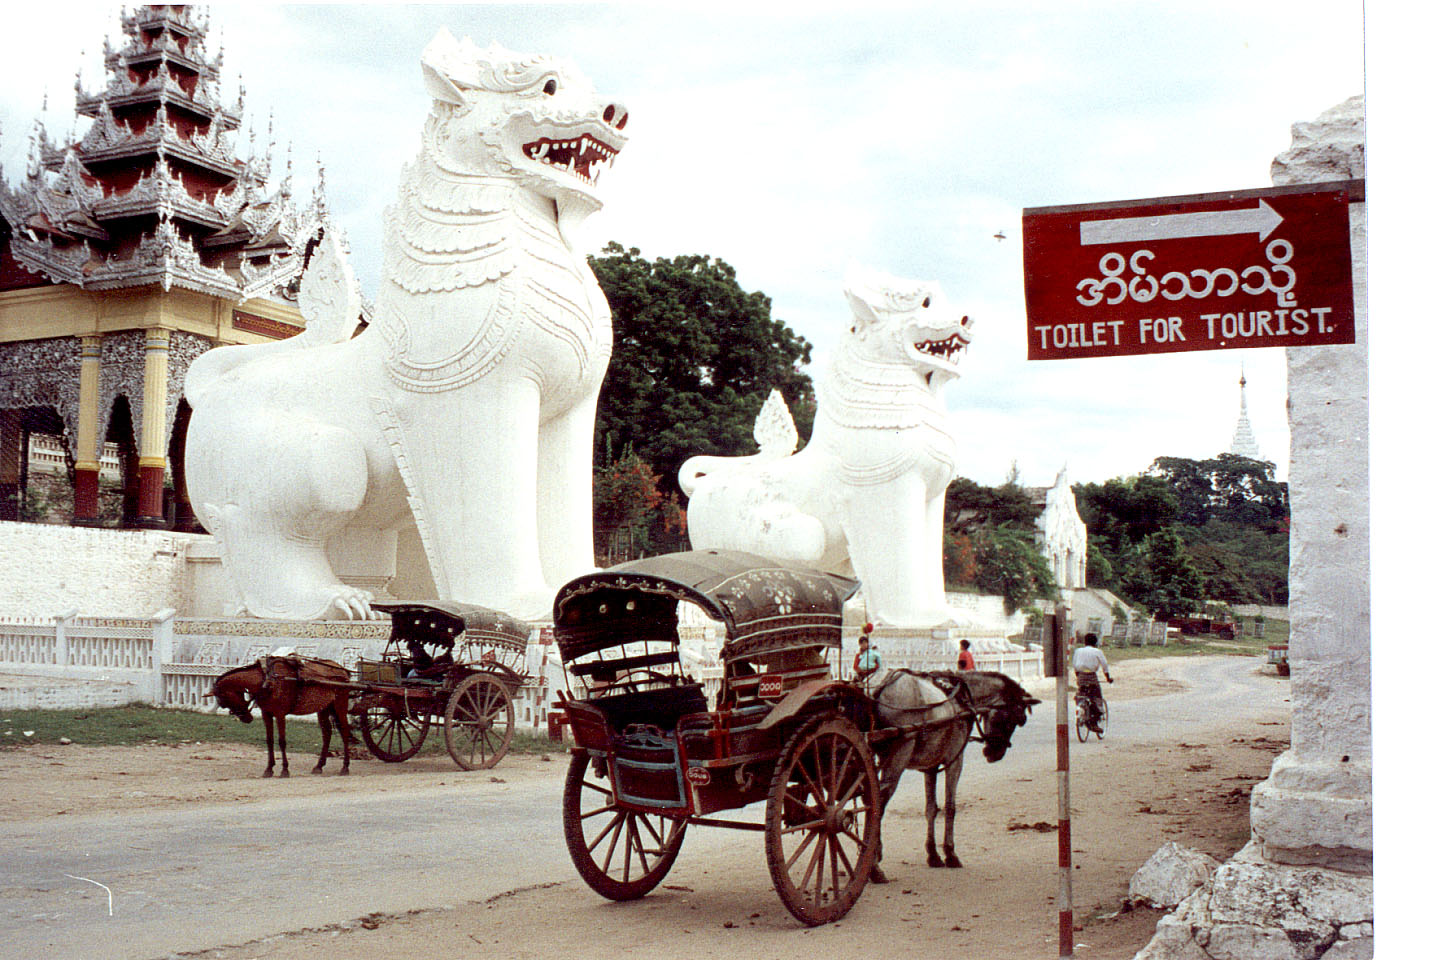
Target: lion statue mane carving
[(866, 496), (468, 405)]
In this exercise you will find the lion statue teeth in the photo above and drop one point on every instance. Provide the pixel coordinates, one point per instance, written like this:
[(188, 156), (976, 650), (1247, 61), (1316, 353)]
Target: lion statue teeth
[(467, 406), (866, 496)]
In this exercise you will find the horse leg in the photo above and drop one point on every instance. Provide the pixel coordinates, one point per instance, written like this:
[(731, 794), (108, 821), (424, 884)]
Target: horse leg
[(952, 780), (894, 765), (269, 743), (324, 717), (342, 723), (932, 857), (284, 756)]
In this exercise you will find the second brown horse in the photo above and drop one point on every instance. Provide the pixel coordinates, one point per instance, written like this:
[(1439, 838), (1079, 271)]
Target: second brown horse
[(281, 686)]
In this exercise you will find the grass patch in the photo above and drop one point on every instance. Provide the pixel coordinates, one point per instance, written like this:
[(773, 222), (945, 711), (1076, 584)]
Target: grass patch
[(137, 725), (1246, 645)]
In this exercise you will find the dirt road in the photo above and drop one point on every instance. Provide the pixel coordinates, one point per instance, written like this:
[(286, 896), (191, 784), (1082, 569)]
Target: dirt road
[(203, 859)]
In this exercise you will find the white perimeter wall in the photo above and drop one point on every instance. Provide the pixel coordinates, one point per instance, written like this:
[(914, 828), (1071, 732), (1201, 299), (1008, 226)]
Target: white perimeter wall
[(47, 569)]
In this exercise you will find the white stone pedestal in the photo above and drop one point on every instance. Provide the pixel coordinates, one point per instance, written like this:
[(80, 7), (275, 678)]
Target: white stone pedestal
[(1302, 889)]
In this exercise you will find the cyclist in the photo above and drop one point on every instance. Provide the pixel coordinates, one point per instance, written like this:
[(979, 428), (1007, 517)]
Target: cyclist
[(1089, 662)]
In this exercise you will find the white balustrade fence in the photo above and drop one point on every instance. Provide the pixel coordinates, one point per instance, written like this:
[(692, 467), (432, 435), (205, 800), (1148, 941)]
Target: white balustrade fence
[(70, 661), (172, 661)]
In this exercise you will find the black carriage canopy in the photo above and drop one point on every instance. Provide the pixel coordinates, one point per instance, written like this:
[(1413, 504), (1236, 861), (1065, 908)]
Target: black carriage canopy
[(766, 607), (441, 624)]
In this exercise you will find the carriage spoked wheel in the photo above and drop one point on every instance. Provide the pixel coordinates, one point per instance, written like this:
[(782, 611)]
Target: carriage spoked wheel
[(479, 722), (822, 820), (622, 854), (393, 729)]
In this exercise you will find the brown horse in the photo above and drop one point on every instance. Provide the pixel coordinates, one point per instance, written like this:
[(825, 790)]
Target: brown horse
[(289, 685)]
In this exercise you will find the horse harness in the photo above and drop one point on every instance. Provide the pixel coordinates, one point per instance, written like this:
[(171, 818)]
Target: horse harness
[(958, 694)]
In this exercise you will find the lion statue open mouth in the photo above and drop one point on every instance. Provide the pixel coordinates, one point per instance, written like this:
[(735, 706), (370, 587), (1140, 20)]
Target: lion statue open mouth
[(866, 496), (467, 407)]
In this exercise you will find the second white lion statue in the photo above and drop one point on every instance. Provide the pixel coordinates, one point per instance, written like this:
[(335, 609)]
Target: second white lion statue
[(866, 497), (468, 405)]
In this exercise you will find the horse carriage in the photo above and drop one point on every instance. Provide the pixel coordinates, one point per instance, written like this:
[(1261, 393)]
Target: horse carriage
[(653, 756), (448, 663)]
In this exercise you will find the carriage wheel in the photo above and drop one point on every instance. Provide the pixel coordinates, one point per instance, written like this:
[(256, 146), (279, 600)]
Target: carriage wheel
[(394, 730), (822, 820), (622, 854), (1102, 717), (479, 722), (1082, 720)]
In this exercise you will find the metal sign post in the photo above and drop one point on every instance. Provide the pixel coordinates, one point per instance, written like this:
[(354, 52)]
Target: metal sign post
[(1062, 784)]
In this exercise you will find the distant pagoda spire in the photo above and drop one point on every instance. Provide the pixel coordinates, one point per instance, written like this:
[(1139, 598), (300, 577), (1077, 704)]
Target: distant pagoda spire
[(153, 192), (1243, 444)]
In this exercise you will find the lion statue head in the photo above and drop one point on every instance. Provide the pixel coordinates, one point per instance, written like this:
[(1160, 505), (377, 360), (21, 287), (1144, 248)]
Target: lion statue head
[(907, 322), (535, 119)]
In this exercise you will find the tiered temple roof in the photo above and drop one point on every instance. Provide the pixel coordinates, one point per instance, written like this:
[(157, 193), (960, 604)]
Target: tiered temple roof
[(154, 192)]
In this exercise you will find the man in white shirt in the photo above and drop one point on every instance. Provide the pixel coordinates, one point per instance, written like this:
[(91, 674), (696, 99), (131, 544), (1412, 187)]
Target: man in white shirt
[(1089, 662)]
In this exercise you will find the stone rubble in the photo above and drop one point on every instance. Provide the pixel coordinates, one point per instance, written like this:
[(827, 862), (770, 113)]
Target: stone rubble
[(1170, 875), (1252, 909)]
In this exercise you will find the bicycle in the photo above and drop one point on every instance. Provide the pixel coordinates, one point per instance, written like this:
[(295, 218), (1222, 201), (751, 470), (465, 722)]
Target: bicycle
[(1091, 713)]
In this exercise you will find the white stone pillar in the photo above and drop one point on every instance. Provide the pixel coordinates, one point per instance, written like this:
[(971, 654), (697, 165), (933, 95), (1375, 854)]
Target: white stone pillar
[(1303, 887), (1316, 807)]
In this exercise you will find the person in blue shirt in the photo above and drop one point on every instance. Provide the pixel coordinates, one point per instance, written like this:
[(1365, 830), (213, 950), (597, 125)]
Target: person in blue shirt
[(867, 661)]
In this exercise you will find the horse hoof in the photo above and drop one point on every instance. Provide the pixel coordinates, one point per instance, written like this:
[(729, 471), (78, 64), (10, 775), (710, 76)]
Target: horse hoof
[(878, 876), (935, 861), (344, 771), (284, 773), (953, 862), (268, 773)]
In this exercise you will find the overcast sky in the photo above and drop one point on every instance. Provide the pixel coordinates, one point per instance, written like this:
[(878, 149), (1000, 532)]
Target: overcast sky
[(901, 136)]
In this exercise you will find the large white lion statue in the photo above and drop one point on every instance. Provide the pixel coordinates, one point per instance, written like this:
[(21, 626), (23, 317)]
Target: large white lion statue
[(468, 405), (867, 494)]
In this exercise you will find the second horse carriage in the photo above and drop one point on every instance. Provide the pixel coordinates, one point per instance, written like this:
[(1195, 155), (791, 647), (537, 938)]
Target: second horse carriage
[(653, 756), (446, 663)]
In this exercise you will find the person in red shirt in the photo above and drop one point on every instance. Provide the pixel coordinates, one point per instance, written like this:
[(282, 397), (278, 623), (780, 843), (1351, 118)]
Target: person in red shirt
[(967, 659)]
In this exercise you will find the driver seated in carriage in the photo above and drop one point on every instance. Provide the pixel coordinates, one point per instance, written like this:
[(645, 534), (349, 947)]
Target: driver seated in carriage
[(423, 665)]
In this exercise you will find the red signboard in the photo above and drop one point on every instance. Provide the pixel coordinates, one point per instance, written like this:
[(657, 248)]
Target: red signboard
[(1253, 268)]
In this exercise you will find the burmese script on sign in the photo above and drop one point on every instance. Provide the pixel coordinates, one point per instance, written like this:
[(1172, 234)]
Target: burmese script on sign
[(1246, 269)]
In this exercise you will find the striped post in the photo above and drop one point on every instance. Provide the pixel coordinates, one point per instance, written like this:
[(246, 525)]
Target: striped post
[(1062, 784)]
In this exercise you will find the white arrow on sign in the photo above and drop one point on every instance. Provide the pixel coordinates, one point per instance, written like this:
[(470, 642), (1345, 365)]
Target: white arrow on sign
[(1261, 220)]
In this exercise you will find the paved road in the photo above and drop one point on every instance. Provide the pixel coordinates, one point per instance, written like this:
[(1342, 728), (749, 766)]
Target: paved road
[(192, 878)]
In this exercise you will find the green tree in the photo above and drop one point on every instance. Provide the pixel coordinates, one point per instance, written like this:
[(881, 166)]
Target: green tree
[(1164, 578), (1123, 512), (695, 357), (1099, 571), (1009, 564), (1241, 563), (968, 505), (1229, 488)]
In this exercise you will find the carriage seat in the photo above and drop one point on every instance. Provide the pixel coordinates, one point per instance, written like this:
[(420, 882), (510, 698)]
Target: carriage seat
[(662, 707)]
